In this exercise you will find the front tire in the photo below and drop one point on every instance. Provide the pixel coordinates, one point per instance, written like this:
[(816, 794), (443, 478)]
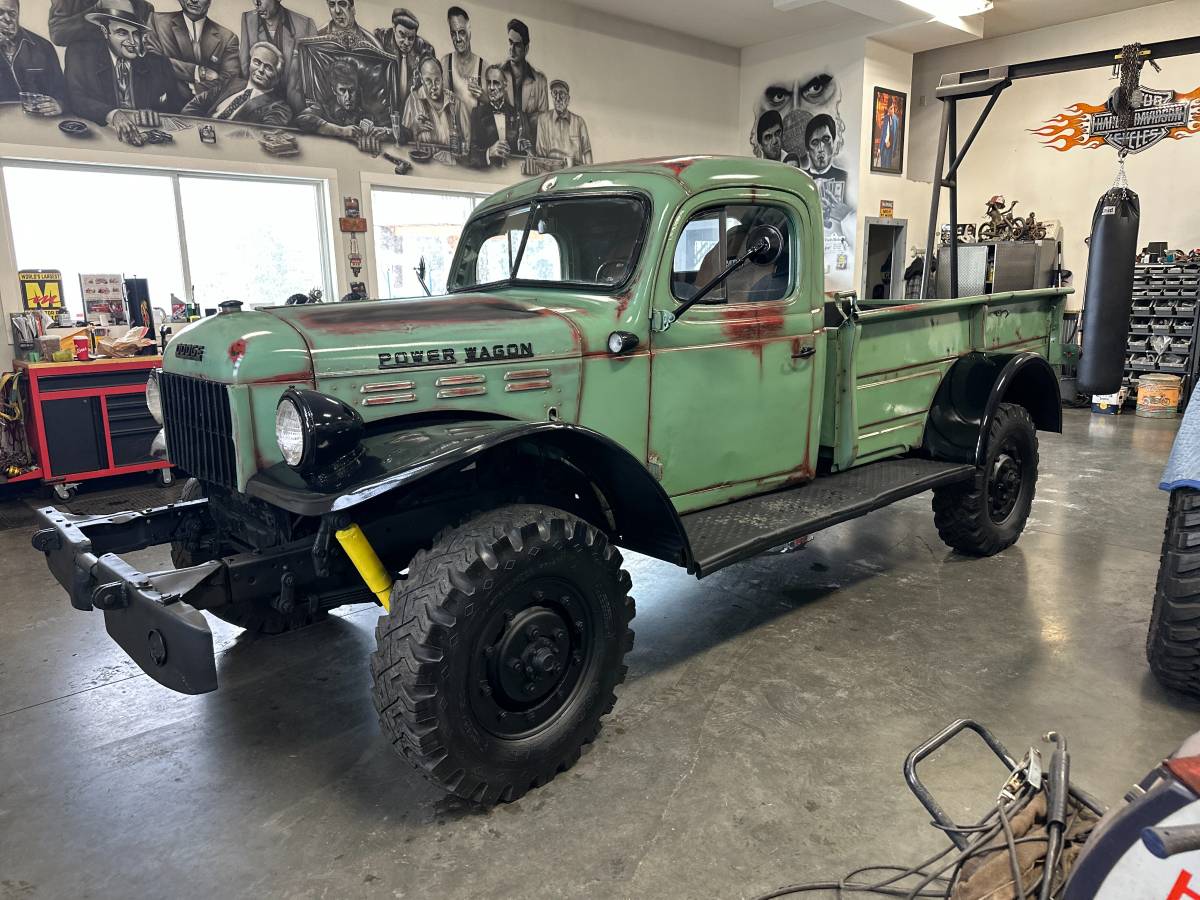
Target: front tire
[(1173, 641), (986, 514), (501, 651)]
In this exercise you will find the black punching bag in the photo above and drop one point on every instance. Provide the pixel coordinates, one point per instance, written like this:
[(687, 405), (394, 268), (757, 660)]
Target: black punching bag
[(1109, 293)]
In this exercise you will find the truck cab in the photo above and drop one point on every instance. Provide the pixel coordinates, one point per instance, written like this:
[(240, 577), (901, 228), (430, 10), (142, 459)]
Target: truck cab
[(636, 355)]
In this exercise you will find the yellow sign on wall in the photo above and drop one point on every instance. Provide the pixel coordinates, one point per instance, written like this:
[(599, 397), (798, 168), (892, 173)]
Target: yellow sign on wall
[(41, 288)]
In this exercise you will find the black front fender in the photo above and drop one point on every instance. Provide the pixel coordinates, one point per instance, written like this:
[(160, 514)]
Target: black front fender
[(646, 520), (972, 391)]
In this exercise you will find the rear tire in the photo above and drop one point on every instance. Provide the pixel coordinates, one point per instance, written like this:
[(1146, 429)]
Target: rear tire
[(1173, 641), (501, 651), (257, 617), (986, 514)]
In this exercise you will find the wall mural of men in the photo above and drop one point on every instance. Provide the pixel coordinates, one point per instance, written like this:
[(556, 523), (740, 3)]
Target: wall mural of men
[(255, 99), (409, 49), (28, 65), (435, 116), (68, 21), (125, 66), (273, 23), (202, 53), (561, 134), (526, 86), (498, 128), (799, 122), (463, 68), (119, 82)]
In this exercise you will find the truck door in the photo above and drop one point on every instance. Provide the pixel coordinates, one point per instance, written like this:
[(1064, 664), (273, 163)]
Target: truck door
[(732, 399)]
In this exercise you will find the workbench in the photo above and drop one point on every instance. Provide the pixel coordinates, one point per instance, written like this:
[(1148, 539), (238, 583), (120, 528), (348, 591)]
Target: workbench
[(89, 419)]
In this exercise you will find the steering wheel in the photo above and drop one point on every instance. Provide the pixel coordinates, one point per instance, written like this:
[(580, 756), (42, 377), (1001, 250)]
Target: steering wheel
[(611, 272)]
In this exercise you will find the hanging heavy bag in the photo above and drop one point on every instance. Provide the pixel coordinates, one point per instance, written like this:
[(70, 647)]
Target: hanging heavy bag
[(1109, 293)]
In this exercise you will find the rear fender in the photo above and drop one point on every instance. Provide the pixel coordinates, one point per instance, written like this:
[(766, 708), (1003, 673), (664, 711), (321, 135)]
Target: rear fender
[(970, 393)]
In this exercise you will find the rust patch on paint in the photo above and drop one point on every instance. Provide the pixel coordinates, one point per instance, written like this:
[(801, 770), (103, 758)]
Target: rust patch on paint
[(623, 299), (237, 350), (750, 325)]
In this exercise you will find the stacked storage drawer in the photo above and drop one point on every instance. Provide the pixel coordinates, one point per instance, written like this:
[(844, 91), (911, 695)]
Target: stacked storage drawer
[(1162, 324)]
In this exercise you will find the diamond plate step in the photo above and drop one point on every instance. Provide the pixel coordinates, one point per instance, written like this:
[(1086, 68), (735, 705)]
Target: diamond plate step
[(728, 534)]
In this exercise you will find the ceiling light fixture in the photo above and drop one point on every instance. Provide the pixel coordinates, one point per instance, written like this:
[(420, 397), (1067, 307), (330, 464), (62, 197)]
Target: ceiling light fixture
[(951, 9)]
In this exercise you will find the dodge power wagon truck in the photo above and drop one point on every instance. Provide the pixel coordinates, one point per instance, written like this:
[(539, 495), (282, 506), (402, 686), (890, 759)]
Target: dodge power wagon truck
[(634, 354)]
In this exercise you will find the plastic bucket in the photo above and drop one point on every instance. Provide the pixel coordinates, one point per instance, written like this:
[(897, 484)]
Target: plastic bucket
[(1158, 396)]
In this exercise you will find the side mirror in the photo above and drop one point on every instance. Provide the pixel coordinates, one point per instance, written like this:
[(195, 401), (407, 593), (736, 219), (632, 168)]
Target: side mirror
[(765, 243), (421, 271)]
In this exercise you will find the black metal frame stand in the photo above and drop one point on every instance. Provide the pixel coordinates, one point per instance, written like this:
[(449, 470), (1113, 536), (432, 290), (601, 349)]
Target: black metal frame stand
[(990, 83)]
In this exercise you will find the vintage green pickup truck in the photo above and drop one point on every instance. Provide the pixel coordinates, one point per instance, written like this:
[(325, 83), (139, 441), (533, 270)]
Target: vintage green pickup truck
[(633, 354)]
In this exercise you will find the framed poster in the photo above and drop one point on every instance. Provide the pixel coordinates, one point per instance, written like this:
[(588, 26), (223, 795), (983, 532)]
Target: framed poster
[(887, 131), (41, 289), (104, 294)]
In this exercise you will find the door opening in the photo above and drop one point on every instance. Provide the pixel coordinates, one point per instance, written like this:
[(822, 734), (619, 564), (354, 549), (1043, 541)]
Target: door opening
[(883, 263)]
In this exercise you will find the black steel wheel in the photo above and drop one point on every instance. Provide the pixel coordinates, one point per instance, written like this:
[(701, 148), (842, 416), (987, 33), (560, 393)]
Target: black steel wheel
[(501, 651), (1173, 641), (986, 514), (258, 617)]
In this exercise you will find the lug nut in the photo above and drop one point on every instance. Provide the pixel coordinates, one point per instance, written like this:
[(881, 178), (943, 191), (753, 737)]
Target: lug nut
[(515, 665), (579, 624), (489, 651), (533, 633), (559, 634), (529, 688)]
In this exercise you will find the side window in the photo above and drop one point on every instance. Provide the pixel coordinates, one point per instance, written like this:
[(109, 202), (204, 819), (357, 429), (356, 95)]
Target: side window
[(713, 238)]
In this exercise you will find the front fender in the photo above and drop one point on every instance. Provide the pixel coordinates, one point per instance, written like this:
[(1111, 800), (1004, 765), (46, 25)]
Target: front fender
[(646, 520)]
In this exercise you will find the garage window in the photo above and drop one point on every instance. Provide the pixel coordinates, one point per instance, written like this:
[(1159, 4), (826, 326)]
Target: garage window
[(716, 237)]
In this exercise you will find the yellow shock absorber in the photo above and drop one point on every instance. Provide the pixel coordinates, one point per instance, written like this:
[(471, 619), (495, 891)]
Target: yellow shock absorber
[(367, 561)]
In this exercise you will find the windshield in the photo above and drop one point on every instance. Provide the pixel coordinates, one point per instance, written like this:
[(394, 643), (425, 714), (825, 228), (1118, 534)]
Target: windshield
[(588, 242)]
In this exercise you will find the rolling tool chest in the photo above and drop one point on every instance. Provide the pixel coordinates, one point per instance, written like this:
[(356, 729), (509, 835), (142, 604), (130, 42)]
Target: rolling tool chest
[(1163, 324), (89, 419)]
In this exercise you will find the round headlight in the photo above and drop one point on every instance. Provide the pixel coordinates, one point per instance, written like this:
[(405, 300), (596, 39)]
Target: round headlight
[(154, 396), (289, 431), (621, 342)]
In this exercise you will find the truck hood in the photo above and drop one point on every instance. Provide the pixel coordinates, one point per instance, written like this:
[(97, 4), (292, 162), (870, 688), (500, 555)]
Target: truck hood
[(455, 330), (302, 344)]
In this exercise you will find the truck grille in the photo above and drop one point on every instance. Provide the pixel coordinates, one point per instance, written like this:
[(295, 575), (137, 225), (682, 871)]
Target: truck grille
[(199, 428)]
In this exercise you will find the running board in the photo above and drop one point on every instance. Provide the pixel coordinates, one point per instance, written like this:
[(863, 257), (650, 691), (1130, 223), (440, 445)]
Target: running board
[(727, 534)]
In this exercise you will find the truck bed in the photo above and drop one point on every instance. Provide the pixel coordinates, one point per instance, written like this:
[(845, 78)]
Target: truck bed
[(727, 534)]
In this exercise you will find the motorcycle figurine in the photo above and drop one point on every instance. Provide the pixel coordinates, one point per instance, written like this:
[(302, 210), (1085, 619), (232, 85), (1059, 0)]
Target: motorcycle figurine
[(1001, 224)]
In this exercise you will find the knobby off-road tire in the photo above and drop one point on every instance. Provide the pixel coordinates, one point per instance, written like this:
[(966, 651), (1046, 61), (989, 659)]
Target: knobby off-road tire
[(257, 618), (986, 514), (1173, 643), (502, 650)]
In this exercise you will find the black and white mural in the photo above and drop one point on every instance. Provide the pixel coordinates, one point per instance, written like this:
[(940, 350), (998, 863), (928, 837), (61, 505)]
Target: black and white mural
[(408, 90), (799, 122)]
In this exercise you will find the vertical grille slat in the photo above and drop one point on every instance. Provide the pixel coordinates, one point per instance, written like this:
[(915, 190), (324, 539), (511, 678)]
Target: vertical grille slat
[(199, 426)]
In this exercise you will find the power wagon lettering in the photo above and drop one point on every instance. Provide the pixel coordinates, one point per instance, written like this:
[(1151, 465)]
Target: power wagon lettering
[(402, 359)]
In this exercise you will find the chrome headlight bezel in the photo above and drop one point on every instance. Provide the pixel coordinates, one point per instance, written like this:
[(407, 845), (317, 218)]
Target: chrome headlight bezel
[(154, 396), (329, 433)]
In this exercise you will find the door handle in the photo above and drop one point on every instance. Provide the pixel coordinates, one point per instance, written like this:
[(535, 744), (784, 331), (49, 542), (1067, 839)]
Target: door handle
[(805, 353)]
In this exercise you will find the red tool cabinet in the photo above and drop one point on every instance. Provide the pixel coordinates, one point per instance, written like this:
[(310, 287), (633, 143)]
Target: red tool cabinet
[(90, 420)]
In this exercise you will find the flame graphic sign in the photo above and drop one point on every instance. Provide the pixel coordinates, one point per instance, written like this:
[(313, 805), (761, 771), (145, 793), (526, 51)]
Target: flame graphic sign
[(1157, 115)]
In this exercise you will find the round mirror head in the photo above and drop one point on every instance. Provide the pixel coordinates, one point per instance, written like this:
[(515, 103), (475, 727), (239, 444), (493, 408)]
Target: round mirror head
[(766, 243)]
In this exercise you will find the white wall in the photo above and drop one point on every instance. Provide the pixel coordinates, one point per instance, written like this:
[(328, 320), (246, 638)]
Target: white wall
[(643, 92), (1008, 159), (887, 67)]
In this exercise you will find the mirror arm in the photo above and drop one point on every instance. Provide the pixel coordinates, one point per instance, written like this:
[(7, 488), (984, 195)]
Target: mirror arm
[(759, 246)]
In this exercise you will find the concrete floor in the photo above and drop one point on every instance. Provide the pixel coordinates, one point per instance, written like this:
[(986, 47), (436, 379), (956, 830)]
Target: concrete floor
[(757, 741)]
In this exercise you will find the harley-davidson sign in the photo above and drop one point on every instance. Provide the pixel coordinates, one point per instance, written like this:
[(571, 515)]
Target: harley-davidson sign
[(1157, 115)]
